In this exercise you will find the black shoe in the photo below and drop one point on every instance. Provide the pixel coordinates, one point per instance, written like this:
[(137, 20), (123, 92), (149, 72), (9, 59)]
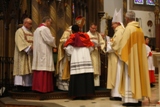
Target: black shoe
[(139, 104), (152, 85), (115, 98), (83, 98), (76, 98), (27, 89), (19, 89)]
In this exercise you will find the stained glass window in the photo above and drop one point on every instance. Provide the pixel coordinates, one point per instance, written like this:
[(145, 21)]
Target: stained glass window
[(138, 1), (150, 2)]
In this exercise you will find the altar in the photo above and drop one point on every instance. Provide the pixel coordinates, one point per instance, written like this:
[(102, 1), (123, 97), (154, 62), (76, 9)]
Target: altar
[(156, 62)]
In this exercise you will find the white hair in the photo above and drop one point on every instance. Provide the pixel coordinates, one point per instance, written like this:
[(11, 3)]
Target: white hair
[(131, 15)]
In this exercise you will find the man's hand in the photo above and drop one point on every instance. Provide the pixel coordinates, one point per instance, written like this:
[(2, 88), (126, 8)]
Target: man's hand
[(99, 48), (31, 48), (54, 49)]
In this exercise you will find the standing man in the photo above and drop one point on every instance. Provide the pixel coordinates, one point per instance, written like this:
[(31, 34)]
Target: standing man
[(132, 51), (114, 62), (79, 46), (63, 70), (43, 64), (97, 39), (151, 67), (22, 71)]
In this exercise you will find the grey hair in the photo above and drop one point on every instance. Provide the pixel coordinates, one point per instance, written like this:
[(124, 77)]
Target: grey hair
[(131, 15)]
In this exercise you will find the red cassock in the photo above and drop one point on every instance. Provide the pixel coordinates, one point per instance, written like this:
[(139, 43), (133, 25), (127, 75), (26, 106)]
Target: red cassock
[(44, 82), (152, 77), (151, 71)]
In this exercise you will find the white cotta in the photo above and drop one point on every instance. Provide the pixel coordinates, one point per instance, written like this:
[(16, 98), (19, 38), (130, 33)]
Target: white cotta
[(80, 59)]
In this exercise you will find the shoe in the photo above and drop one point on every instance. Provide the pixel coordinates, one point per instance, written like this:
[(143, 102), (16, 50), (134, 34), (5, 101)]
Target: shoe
[(27, 89), (75, 98), (152, 85), (133, 104), (83, 98), (115, 98)]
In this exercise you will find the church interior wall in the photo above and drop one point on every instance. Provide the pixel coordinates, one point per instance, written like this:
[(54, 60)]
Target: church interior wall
[(110, 6), (142, 16)]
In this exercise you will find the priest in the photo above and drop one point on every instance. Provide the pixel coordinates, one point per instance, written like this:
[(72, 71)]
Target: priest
[(114, 63)]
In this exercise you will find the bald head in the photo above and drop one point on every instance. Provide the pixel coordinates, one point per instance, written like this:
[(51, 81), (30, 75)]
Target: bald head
[(27, 22)]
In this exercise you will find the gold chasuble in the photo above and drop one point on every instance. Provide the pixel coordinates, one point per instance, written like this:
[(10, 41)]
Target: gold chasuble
[(63, 64), (22, 61), (95, 55), (113, 58), (62, 57), (132, 52)]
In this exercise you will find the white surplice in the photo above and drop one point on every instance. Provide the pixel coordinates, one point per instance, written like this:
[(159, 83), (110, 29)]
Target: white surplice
[(80, 63), (128, 94), (23, 80), (43, 55), (114, 91)]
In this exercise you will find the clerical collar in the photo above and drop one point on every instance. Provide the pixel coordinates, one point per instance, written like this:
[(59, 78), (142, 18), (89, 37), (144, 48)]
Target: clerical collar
[(24, 28), (42, 24)]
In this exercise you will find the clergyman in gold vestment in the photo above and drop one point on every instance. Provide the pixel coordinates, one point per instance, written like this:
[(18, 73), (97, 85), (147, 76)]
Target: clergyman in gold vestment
[(97, 39), (23, 56), (114, 63), (135, 82), (62, 69)]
